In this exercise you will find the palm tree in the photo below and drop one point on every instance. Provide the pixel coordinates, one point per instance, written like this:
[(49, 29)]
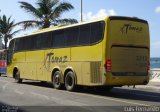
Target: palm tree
[(6, 29), (47, 13)]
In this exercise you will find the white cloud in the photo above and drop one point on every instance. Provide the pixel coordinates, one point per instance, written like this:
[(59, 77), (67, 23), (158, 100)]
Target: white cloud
[(157, 10), (100, 13)]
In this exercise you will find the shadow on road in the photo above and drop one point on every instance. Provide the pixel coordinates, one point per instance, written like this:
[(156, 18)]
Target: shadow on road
[(8, 108), (123, 93)]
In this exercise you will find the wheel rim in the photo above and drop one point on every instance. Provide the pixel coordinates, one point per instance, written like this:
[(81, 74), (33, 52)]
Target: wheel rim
[(57, 80), (16, 76), (69, 81)]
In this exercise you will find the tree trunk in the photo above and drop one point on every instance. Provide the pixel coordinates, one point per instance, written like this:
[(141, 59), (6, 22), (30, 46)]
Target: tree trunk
[(5, 41), (46, 25)]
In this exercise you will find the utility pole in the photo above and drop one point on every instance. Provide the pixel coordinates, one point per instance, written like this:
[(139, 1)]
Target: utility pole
[(81, 10)]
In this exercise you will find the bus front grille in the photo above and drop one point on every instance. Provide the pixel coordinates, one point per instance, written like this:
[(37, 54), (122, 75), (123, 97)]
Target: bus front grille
[(96, 73)]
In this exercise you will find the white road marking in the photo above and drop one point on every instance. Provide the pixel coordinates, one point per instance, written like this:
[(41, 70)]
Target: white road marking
[(68, 102), (71, 103), (18, 92), (40, 95), (102, 97), (4, 86), (107, 98), (58, 100), (4, 81)]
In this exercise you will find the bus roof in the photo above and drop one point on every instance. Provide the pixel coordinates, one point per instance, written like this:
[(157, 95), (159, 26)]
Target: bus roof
[(81, 23), (62, 27)]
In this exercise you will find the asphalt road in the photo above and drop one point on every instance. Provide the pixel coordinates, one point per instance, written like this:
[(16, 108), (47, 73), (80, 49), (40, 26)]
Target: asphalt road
[(36, 96)]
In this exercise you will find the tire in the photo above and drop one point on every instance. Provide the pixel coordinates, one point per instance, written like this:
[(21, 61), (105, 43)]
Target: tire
[(56, 80), (17, 77), (0, 74), (70, 81)]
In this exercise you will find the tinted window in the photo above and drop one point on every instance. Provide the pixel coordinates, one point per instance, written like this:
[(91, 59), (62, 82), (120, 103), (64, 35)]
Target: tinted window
[(19, 44), (16, 44), (41, 41), (58, 39), (74, 36), (25, 43), (97, 30), (84, 36), (46, 39), (29, 43), (37, 42), (10, 52), (71, 35)]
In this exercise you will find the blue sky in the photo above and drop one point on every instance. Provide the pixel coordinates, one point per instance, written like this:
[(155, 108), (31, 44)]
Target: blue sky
[(144, 9)]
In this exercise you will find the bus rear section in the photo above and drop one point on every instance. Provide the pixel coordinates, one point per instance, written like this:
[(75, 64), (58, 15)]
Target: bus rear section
[(128, 49)]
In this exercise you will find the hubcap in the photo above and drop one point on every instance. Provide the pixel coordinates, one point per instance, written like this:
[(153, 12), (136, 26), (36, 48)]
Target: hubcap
[(57, 79), (69, 81), (16, 76)]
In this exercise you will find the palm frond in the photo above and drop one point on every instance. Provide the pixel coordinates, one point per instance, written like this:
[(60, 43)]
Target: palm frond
[(6, 28), (4, 18), (6, 24), (61, 8), (64, 21), (30, 24), (17, 31), (30, 9), (53, 3), (47, 12), (46, 6)]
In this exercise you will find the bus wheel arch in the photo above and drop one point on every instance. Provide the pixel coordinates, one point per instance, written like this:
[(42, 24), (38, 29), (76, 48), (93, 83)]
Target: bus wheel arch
[(56, 78), (16, 75), (70, 79)]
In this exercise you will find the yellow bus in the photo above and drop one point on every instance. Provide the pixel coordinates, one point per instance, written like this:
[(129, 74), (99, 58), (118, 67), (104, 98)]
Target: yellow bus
[(109, 52)]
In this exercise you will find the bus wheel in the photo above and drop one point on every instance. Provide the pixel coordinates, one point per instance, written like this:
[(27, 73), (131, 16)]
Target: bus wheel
[(56, 80), (70, 81), (17, 77)]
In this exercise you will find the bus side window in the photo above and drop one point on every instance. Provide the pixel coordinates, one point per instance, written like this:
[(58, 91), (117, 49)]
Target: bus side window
[(84, 37), (46, 40), (19, 44), (71, 35), (58, 39), (10, 52), (97, 30), (30, 43), (37, 42)]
